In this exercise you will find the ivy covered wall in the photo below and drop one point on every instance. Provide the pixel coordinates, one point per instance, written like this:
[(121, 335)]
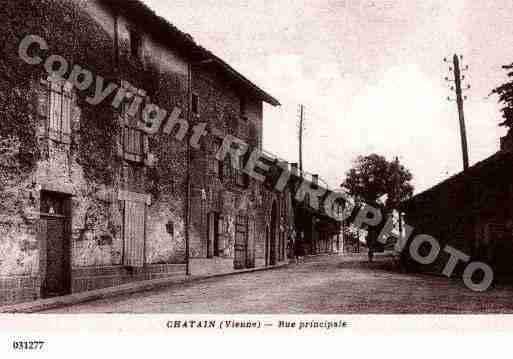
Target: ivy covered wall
[(89, 166)]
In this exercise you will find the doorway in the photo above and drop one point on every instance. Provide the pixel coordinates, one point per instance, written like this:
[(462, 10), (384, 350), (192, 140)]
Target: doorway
[(250, 250), (273, 234), (213, 235), (55, 248), (241, 242)]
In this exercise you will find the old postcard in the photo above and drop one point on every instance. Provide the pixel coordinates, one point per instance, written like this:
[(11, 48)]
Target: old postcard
[(286, 168)]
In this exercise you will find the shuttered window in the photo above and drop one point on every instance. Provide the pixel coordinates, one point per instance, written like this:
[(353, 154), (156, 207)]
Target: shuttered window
[(134, 228), (215, 167), (222, 232), (228, 170), (59, 116), (195, 104), (133, 141), (241, 178)]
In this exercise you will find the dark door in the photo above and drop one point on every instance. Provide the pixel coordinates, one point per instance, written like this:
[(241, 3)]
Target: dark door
[(267, 244), (241, 233), (250, 250), (54, 284), (55, 260), (213, 235), (273, 234)]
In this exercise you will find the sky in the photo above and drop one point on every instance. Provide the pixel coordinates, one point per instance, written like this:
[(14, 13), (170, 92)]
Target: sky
[(369, 73)]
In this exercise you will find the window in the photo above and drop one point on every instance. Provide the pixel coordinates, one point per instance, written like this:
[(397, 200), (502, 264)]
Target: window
[(134, 227), (253, 139), (242, 109), (170, 228), (306, 201), (52, 203), (133, 141), (195, 104), (133, 144), (228, 170), (241, 178), (135, 44), (59, 116), (215, 166)]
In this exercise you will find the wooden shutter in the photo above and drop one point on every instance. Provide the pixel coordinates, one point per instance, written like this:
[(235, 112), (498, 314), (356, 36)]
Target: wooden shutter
[(242, 179), (211, 237), (55, 109), (66, 116), (237, 172), (59, 119), (134, 141), (250, 258), (134, 233), (218, 165), (228, 169), (212, 161), (135, 144), (221, 234)]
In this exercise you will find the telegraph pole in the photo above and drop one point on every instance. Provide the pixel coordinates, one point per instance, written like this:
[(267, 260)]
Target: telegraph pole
[(457, 88), (301, 128)]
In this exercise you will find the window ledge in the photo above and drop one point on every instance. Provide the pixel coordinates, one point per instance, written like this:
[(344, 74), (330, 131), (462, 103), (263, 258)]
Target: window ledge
[(133, 158), (63, 139)]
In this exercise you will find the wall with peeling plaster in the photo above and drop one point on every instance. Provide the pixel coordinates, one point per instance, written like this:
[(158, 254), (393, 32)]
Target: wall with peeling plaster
[(88, 168), (219, 106)]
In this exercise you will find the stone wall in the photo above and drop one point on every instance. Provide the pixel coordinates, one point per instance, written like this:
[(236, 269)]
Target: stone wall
[(219, 107), (459, 211), (88, 168)]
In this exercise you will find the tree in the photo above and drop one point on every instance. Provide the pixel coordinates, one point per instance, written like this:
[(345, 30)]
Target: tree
[(373, 177), (505, 93)]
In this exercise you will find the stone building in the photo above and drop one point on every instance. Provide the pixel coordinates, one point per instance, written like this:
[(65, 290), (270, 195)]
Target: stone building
[(317, 231), (471, 211), (88, 198)]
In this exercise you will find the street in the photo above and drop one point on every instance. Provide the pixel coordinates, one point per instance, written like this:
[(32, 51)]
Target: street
[(320, 285)]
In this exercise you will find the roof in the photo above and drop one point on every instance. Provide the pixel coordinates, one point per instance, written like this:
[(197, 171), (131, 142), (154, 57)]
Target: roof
[(491, 172), (169, 35)]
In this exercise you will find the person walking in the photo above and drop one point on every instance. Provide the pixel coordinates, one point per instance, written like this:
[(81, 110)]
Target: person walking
[(298, 251)]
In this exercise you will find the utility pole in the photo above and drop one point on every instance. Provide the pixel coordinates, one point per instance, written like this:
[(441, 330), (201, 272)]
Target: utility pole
[(457, 88), (301, 128), (188, 175), (397, 184)]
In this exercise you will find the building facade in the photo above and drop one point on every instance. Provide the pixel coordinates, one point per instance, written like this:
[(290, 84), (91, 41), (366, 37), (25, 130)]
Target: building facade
[(471, 212), (318, 232), (89, 199)]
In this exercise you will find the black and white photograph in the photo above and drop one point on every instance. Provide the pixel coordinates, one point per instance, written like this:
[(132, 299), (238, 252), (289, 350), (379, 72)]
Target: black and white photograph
[(255, 165)]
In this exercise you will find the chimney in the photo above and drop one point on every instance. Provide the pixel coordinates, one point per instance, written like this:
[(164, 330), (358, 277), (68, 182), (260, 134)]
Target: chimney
[(293, 169), (315, 180)]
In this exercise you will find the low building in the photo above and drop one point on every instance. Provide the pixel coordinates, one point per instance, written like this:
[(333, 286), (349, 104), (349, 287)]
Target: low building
[(317, 231), (471, 212)]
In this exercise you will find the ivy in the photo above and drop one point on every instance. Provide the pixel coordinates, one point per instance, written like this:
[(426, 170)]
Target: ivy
[(74, 35)]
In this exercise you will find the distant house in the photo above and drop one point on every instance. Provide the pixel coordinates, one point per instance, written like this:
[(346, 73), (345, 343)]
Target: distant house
[(472, 211), (317, 231)]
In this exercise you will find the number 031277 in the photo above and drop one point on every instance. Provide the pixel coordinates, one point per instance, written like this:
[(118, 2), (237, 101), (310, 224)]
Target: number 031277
[(27, 345)]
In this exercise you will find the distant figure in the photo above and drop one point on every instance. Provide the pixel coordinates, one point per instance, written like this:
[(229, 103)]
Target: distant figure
[(297, 252), (370, 245), (290, 248)]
